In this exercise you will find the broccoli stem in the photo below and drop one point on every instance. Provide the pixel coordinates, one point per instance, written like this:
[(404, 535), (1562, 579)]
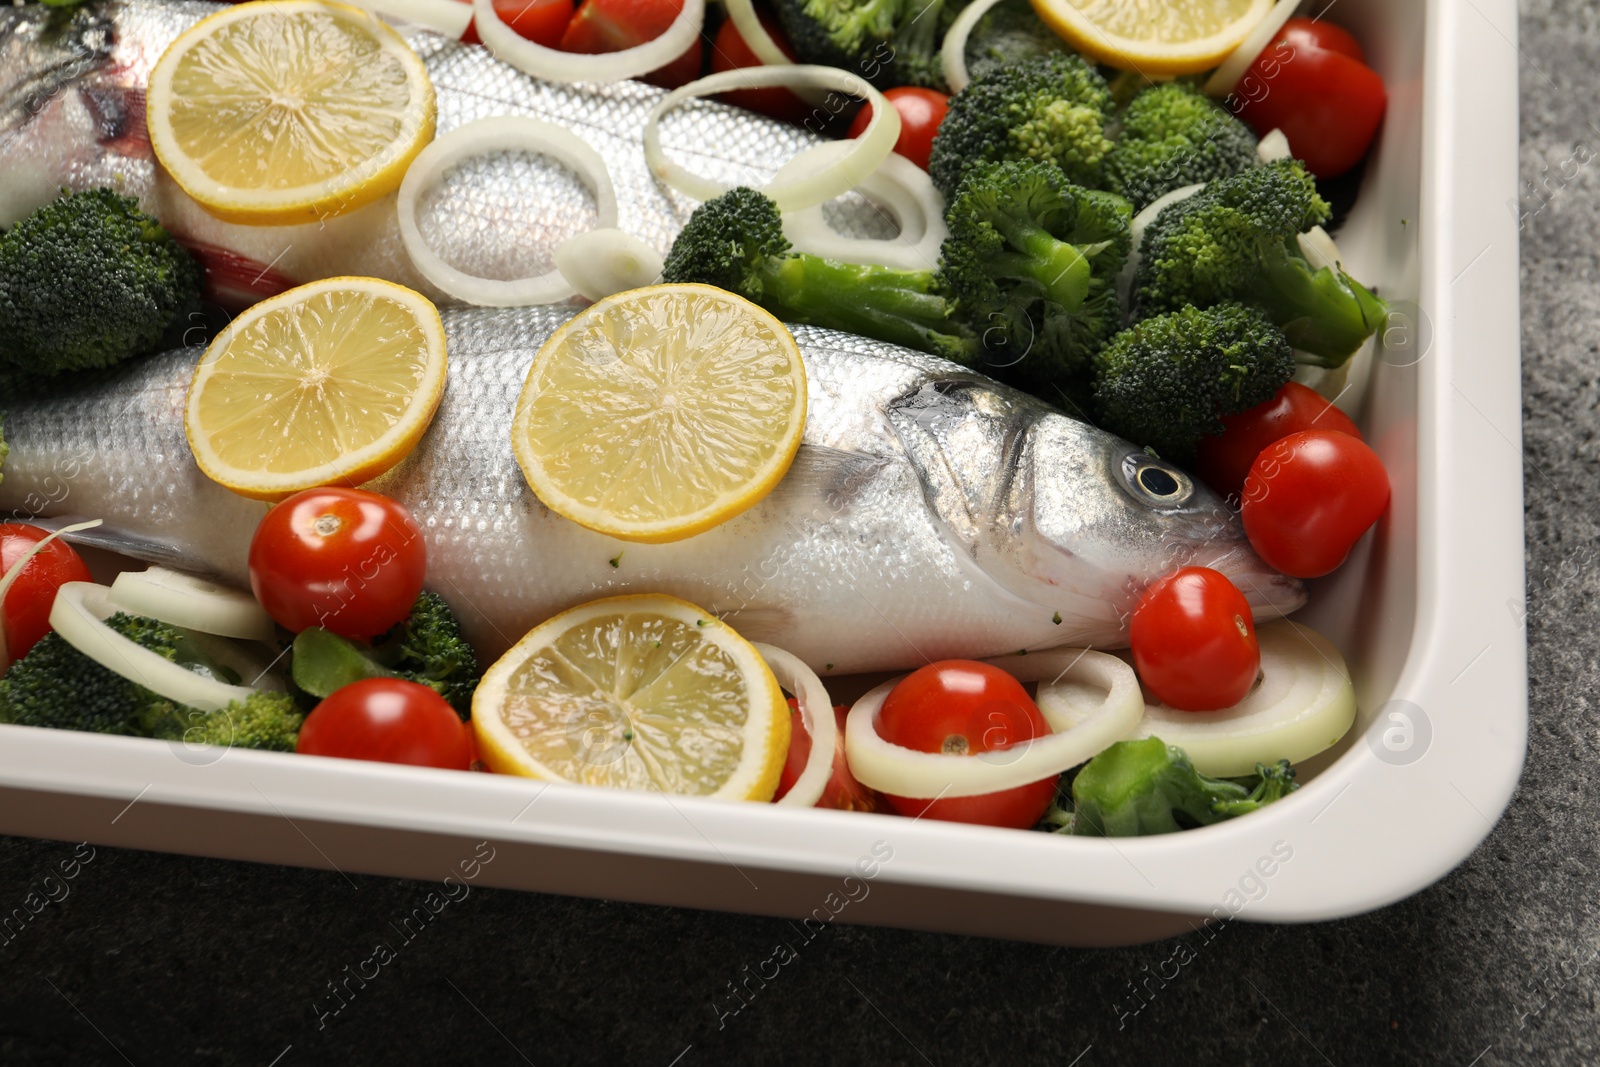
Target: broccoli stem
[(903, 307), (1058, 267), (1325, 314)]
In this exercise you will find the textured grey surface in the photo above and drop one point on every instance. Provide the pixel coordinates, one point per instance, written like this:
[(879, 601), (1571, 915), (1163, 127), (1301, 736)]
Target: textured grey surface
[(157, 960)]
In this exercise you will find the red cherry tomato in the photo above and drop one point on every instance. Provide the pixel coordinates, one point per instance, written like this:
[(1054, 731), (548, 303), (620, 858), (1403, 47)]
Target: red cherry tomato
[(921, 112), (1309, 497), (730, 52), (843, 792), (1314, 33), (1194, 644), (347, 560), (962, 707), (388, 720), (1328, 104), (1225, 459), (612, 25), (27, 606), (541, 21)]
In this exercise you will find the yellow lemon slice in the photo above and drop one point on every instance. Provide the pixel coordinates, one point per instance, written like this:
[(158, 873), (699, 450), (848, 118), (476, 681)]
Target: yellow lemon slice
[(332, 383), (1154, 37), (660, 412), (636, 692), (289, 111)]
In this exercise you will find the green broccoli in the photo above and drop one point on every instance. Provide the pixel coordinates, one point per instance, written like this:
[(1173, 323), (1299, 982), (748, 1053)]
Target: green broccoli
[(1052, 108), (1174, 135), (428, 648), (1009, 33), (1031, 261), (57, 686), (887, 42), (87, 281), (1167, 381), (1236, 240), (1150, 787)]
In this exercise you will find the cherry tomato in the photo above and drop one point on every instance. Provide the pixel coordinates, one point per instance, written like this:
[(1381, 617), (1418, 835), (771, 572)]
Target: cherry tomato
[(1309, 498), (730, 52), (1225, 459), (921, 112), (26, 612), (1327, 103), (612, 25), (843, 792), (347, 560), (1194, 643), (388, 720), (1314, 33), (962, 707), (541, 21)]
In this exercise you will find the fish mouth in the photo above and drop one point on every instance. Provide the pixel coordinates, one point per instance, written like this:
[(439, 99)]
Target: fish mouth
[(1271, 594)]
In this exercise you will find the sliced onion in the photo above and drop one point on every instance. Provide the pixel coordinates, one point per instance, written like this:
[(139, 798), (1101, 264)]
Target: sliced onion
[(15, 572), (1273, 147), (192, 603), (602, 262), (866, 154), (1136, 229), (1082, 727), (900, 186), (79, 615), (449, 17), (1318, 248), (953, 53), (816, 708), (1226, 77), (554, 65), (498, 134), (1303, 704), (755, 36)]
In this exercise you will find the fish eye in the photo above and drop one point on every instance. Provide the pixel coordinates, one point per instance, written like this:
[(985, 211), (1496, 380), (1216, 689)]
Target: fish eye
[(1156, 483)]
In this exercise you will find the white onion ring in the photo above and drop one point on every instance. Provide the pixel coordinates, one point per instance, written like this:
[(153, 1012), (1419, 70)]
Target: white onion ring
[(1136, 230), (1079, 733), (600, 263), (1318, 248), (1273, 147), (900, 186), (449, 17), (1226, 77), (867, 152), (192, 603), (953, 53), (756, 38), (79, 615), (552, 64), (816, 708), (11, 576), (498, 134)]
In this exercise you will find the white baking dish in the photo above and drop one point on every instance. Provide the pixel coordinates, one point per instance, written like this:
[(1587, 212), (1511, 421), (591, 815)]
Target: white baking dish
[(1429, 619)]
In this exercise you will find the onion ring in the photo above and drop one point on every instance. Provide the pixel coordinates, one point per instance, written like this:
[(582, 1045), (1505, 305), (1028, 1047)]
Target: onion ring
[(501, 133), (1273, 147), (1080, 732), (192, 603), (866, 154), (816, 708), (953, 53), (449, 17), (552, 64), (600, 263), (898, 185), (1226, 77)]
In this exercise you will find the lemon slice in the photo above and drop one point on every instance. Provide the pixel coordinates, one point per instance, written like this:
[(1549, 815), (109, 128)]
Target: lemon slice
[(1154, 37), (661, 412), (636, 692), (290, 111), (332, 383)]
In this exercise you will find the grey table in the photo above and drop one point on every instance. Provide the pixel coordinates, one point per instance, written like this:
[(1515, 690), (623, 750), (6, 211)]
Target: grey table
[(162, 960)]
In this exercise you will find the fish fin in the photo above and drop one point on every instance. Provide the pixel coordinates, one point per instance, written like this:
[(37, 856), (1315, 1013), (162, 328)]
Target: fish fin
[(233, 280), (118, 114), (834, 475), (112, 540), (752, 623)]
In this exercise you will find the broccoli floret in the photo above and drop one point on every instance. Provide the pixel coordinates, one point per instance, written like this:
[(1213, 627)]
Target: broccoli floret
[(1236, 240), (888, 42), (1167, 381), (736, 242), (1051, 108), (1031, 261), (1172, 136), (88, 281), (427, 648), (1150, 787), (263, 720), (1009, 33)]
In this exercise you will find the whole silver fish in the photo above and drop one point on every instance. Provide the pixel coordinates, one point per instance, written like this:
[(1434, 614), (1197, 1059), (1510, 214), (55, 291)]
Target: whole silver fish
[(930, 512), (72, 98)]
